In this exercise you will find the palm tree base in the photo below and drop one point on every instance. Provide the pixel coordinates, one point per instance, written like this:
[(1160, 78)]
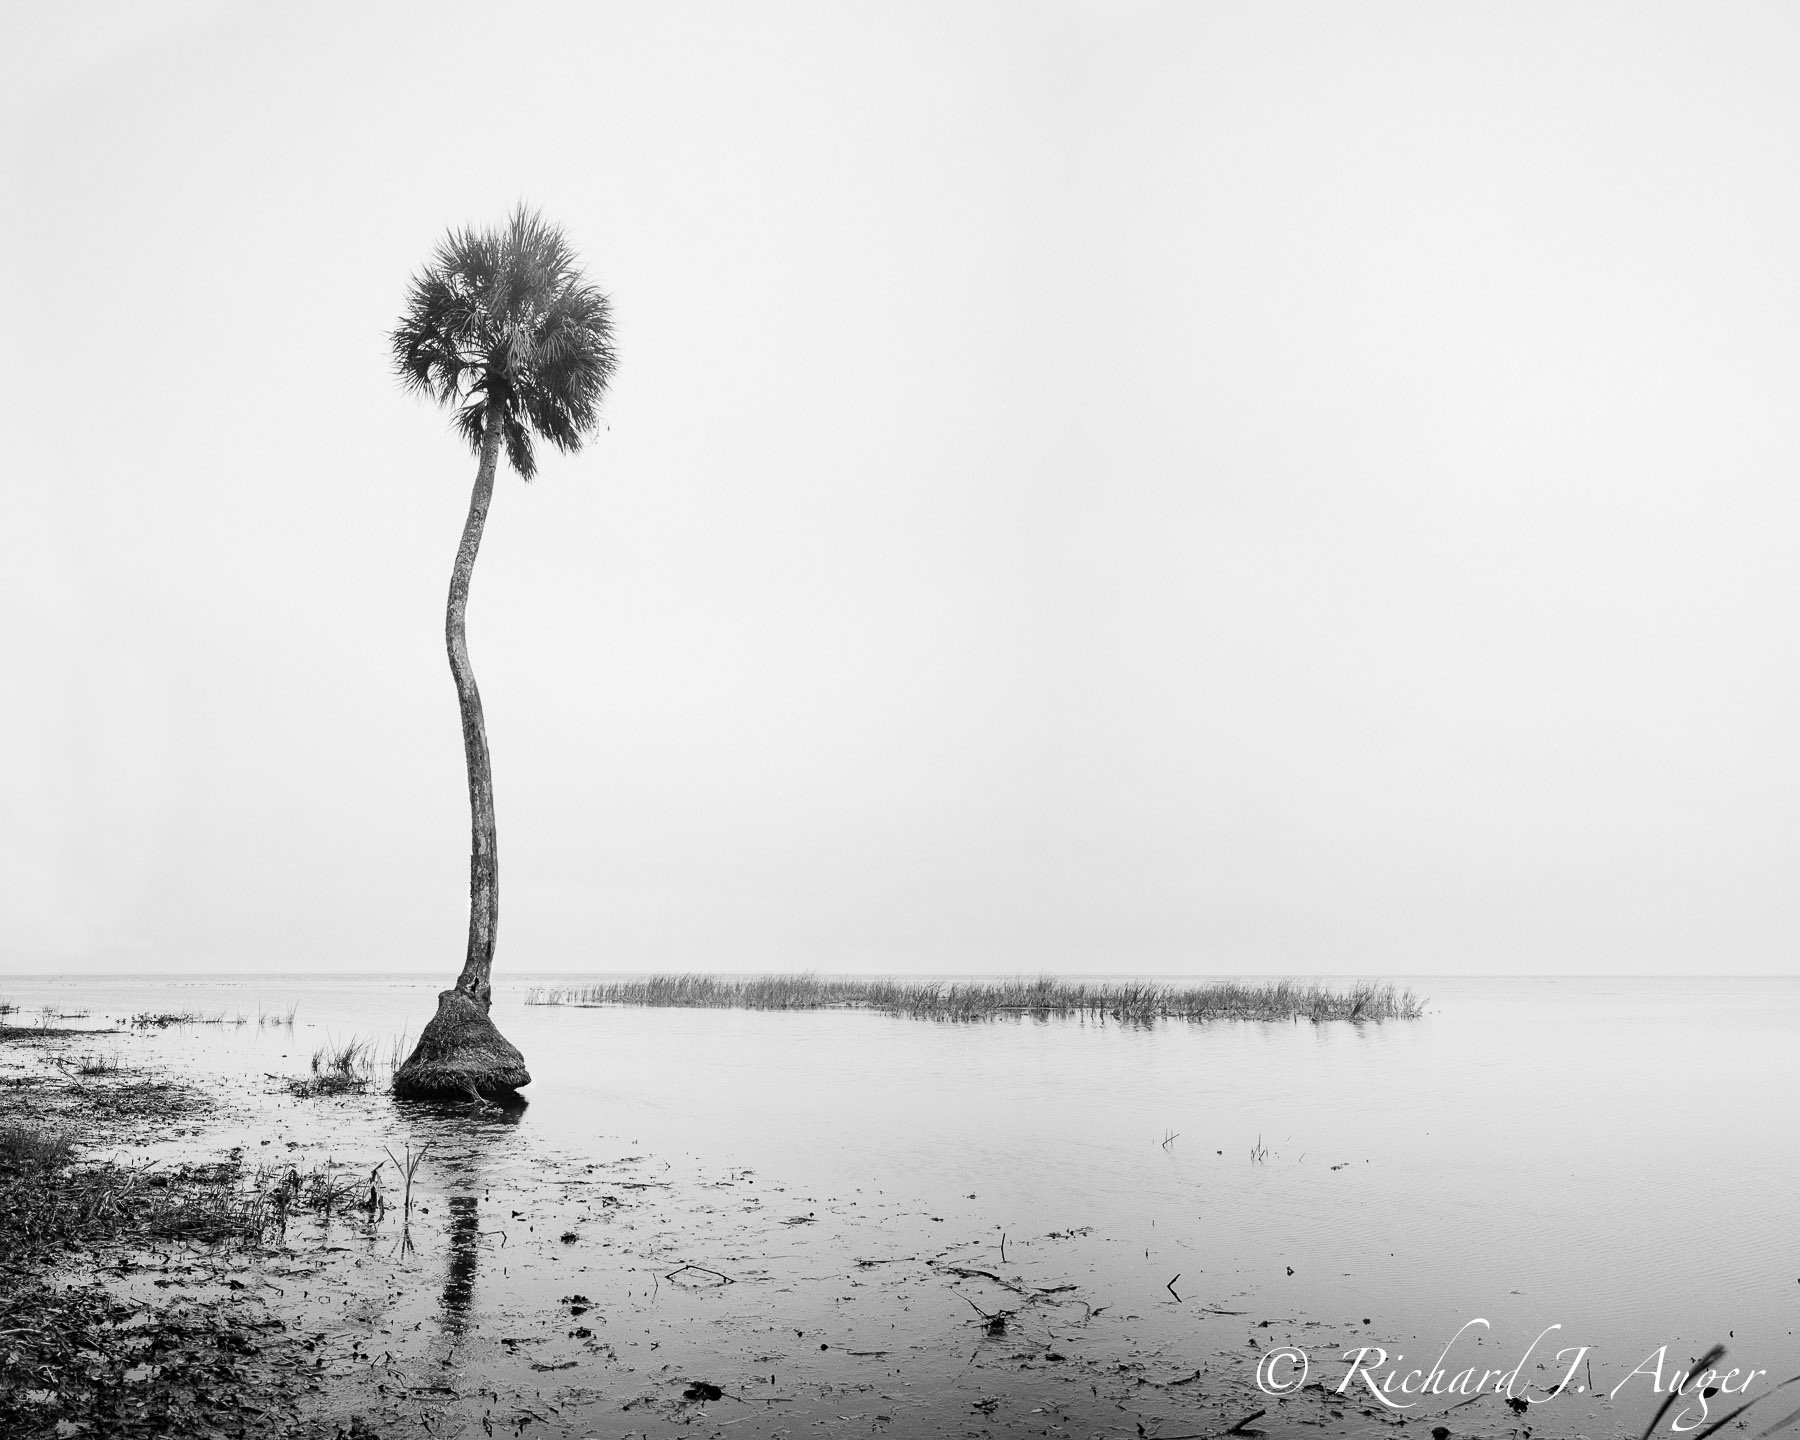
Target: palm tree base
[(460, 1053)]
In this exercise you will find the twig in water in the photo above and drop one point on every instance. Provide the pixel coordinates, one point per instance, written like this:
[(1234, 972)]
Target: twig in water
[(1170, 1287), (967, 1273), (723, 1279), (1236, 1429)]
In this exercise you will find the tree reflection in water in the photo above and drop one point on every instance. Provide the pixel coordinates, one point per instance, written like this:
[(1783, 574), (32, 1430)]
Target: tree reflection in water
[(464, 1162), (459, 1271)]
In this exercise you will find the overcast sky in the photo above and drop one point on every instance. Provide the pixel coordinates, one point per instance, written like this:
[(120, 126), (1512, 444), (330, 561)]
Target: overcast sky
[(1102, 487)]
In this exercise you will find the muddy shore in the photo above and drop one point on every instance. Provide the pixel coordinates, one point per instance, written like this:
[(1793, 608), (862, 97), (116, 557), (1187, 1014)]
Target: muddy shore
[(247, 1284)]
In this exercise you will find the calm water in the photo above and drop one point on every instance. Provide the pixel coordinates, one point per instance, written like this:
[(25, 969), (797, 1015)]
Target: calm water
[(1614, 1157)]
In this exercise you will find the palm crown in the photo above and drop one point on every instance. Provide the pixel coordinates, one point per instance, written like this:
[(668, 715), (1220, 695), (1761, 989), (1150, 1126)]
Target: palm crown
[(504, 319)]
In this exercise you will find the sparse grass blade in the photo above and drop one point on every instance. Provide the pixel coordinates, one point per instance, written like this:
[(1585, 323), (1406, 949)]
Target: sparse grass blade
[(407, 1171)]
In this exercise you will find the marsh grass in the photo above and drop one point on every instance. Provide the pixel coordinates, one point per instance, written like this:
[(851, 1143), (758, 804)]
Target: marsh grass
[(1140, 1002), (162, 1019), (25, 1149), (48, 1198), (338, 1068), (329, 1191)]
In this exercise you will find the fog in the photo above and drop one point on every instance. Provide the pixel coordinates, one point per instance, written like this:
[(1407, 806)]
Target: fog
[(1094, 487)]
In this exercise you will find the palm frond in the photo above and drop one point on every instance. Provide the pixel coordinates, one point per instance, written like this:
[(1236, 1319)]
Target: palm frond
[(518, 445), (503, 320), (471, 423)]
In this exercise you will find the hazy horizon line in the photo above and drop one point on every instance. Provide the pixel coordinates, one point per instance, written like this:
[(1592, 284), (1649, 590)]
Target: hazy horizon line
[(909, 974)]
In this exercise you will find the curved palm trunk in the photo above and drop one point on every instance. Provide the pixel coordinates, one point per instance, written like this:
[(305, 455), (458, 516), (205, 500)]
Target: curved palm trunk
[(459, 1051), (484, 859)]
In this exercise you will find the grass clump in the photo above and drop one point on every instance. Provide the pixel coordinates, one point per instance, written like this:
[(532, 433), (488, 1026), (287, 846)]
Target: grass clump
[(47, 1199), (25, 1149), (346, 1068), (161, 1020), (1141, 1002)]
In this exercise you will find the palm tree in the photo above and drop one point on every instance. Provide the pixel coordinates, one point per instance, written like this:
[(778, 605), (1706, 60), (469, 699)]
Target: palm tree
[(502, 329)]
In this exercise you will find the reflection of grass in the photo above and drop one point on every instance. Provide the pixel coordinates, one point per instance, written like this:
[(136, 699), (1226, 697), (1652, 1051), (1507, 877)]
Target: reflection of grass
[(1138, 1001)]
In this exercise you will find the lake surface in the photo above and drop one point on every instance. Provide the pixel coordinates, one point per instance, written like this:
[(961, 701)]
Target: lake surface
[(1614, 1157)]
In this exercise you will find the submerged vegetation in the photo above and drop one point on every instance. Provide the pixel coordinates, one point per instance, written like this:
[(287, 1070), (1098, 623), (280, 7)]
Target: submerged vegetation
[(82, 1361), (1131, 1000), (162, 1019)]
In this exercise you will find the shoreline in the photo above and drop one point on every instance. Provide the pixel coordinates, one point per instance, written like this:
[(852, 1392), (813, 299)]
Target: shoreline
[(211, 1295), (561, 1280), (89, 1347)]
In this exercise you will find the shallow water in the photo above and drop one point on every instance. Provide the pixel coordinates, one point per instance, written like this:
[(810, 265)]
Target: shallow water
[(1612, 1157)]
